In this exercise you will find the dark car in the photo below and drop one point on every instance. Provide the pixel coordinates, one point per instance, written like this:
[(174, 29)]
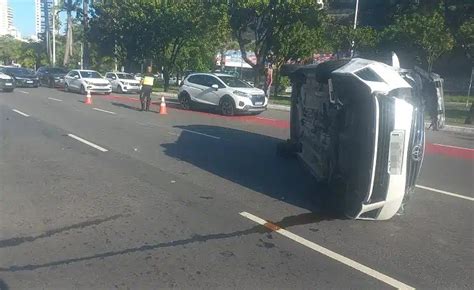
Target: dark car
[(6, 83), (51, 76), (23, 77)]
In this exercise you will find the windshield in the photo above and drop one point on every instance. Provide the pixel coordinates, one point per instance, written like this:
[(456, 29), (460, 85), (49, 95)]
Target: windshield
[(18, 71), (125, 76), (57, 71), (90, 74), (234, 82)]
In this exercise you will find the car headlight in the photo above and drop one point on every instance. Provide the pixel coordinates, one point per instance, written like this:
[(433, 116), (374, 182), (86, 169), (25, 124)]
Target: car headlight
[(241, 94), (125, 83), (87, 82)]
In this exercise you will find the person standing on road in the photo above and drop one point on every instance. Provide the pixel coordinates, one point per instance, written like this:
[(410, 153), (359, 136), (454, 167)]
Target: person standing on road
[(268, 79), (147, 88)]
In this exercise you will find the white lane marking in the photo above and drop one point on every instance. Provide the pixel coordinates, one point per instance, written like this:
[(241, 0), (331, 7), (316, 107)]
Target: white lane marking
[(20, 112), (445, 192), (462, 148), (263, 118), (202, 134), (105, 111), (23, 92), (333, 255), (88, 143), (53, 99)]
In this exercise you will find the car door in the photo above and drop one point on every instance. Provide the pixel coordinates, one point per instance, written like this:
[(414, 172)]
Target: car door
[(75, 81), (195, 87), (111, 77), (210, 95), (69, 79)]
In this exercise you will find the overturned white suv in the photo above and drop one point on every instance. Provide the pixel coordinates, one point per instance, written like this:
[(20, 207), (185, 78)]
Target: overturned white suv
[(358, 125)]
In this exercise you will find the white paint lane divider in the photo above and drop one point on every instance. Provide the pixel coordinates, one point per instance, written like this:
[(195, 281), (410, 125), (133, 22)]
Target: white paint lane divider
[(202, 134), (20, 112), (88, 143), (23, 92), (328, 253), (445, 192), (104, 111), (53, 99)]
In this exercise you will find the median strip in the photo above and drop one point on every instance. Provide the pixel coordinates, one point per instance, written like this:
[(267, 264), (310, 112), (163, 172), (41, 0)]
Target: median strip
[(88, 143), (445, 192), (20, 112), (104, 111), (328, 253)]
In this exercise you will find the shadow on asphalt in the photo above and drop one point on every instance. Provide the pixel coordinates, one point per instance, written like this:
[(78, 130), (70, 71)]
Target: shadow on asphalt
[(121, 105), (197, 238), (250, 159)]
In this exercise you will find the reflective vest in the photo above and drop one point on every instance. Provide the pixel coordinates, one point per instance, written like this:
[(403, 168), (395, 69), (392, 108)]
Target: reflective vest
[(148, 81)]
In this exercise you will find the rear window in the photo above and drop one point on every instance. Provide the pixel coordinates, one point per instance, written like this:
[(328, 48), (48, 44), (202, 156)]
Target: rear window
[(369, 75)]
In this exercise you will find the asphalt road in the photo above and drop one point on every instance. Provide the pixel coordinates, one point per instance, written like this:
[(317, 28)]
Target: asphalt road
[(104, 196)]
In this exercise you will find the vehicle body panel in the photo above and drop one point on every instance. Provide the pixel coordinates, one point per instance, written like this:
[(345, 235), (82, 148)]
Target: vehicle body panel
[(78, 80), (7, 83), (119, 84), (23, 77)]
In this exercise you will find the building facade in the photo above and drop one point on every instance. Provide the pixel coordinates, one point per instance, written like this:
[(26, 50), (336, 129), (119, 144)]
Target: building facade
[(43, 16), (6, 20)]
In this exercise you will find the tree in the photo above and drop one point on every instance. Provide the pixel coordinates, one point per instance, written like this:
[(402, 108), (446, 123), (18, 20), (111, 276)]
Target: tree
[(69, 6), (466, 37), (256, 24), (345, 37), (426, 33)]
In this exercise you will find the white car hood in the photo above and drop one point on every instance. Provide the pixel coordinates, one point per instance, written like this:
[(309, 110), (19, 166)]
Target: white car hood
[(251, 91), (5, 77), (96, 81), (130, 81)]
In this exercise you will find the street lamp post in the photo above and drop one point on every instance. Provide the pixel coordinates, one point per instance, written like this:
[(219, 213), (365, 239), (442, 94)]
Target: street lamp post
[(356, 14), (54, 33)]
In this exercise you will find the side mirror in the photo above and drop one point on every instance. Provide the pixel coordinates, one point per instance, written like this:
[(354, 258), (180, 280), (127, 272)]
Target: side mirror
[(215, 87), (76, 77)]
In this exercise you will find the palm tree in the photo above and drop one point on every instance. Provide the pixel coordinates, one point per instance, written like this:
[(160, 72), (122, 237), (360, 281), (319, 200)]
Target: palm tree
[(69, 6)]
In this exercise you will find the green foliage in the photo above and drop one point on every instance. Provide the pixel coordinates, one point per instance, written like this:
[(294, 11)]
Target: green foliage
[(466, 37), (27, 54), (423, 34), (342, 36)]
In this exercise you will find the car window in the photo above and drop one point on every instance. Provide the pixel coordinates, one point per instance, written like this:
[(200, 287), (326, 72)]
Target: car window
[(56, 70), (214, 81), (124, 76), (90, 74), (73, 74), (194, 79), (234, 82)]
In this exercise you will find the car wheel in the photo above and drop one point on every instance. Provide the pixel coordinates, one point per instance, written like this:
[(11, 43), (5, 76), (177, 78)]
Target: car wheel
[(66, 87), (227, 106), (119, 89), (185, 100), (83, 90), (51, 83)]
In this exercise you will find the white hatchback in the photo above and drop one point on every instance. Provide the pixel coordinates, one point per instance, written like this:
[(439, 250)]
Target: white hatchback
[(86, 80), (123, 82), (223, 91)]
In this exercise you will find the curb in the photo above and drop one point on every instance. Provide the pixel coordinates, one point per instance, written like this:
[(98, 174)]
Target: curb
[(457, 129), (278, 107)]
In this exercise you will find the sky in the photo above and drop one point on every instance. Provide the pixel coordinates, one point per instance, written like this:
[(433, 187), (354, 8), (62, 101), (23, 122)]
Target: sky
[(23, 16)]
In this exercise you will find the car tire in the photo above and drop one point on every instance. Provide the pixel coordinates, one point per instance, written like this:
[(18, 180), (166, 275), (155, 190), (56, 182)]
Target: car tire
[(119, 89), (66, 87), (185, 101), (227, 106), (83, 90), (51, 83)]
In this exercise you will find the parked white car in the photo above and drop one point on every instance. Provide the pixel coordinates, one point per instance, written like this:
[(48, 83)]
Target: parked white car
[(123, 82), (86, 80), (223, 91)]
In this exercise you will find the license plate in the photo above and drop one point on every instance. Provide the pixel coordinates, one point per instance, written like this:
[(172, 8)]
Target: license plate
[(29, 82), (258, 103), (397, 142), (8, 84)]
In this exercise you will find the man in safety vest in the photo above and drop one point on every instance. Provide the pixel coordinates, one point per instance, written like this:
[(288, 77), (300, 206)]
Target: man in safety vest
[(147, 87)]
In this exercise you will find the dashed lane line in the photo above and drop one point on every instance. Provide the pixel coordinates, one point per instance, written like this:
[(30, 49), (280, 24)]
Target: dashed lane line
[(450, 146), (445, 192), (20, 112), (328, 253), (23, 92), (53, 99), (104, 111), (88, 143)]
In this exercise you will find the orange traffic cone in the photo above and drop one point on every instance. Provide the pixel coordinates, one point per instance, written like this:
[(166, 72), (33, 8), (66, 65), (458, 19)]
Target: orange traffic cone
[(88, 100), (163, 107)]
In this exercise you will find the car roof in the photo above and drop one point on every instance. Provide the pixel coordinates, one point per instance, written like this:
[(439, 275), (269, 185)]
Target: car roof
[(211, 74)]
